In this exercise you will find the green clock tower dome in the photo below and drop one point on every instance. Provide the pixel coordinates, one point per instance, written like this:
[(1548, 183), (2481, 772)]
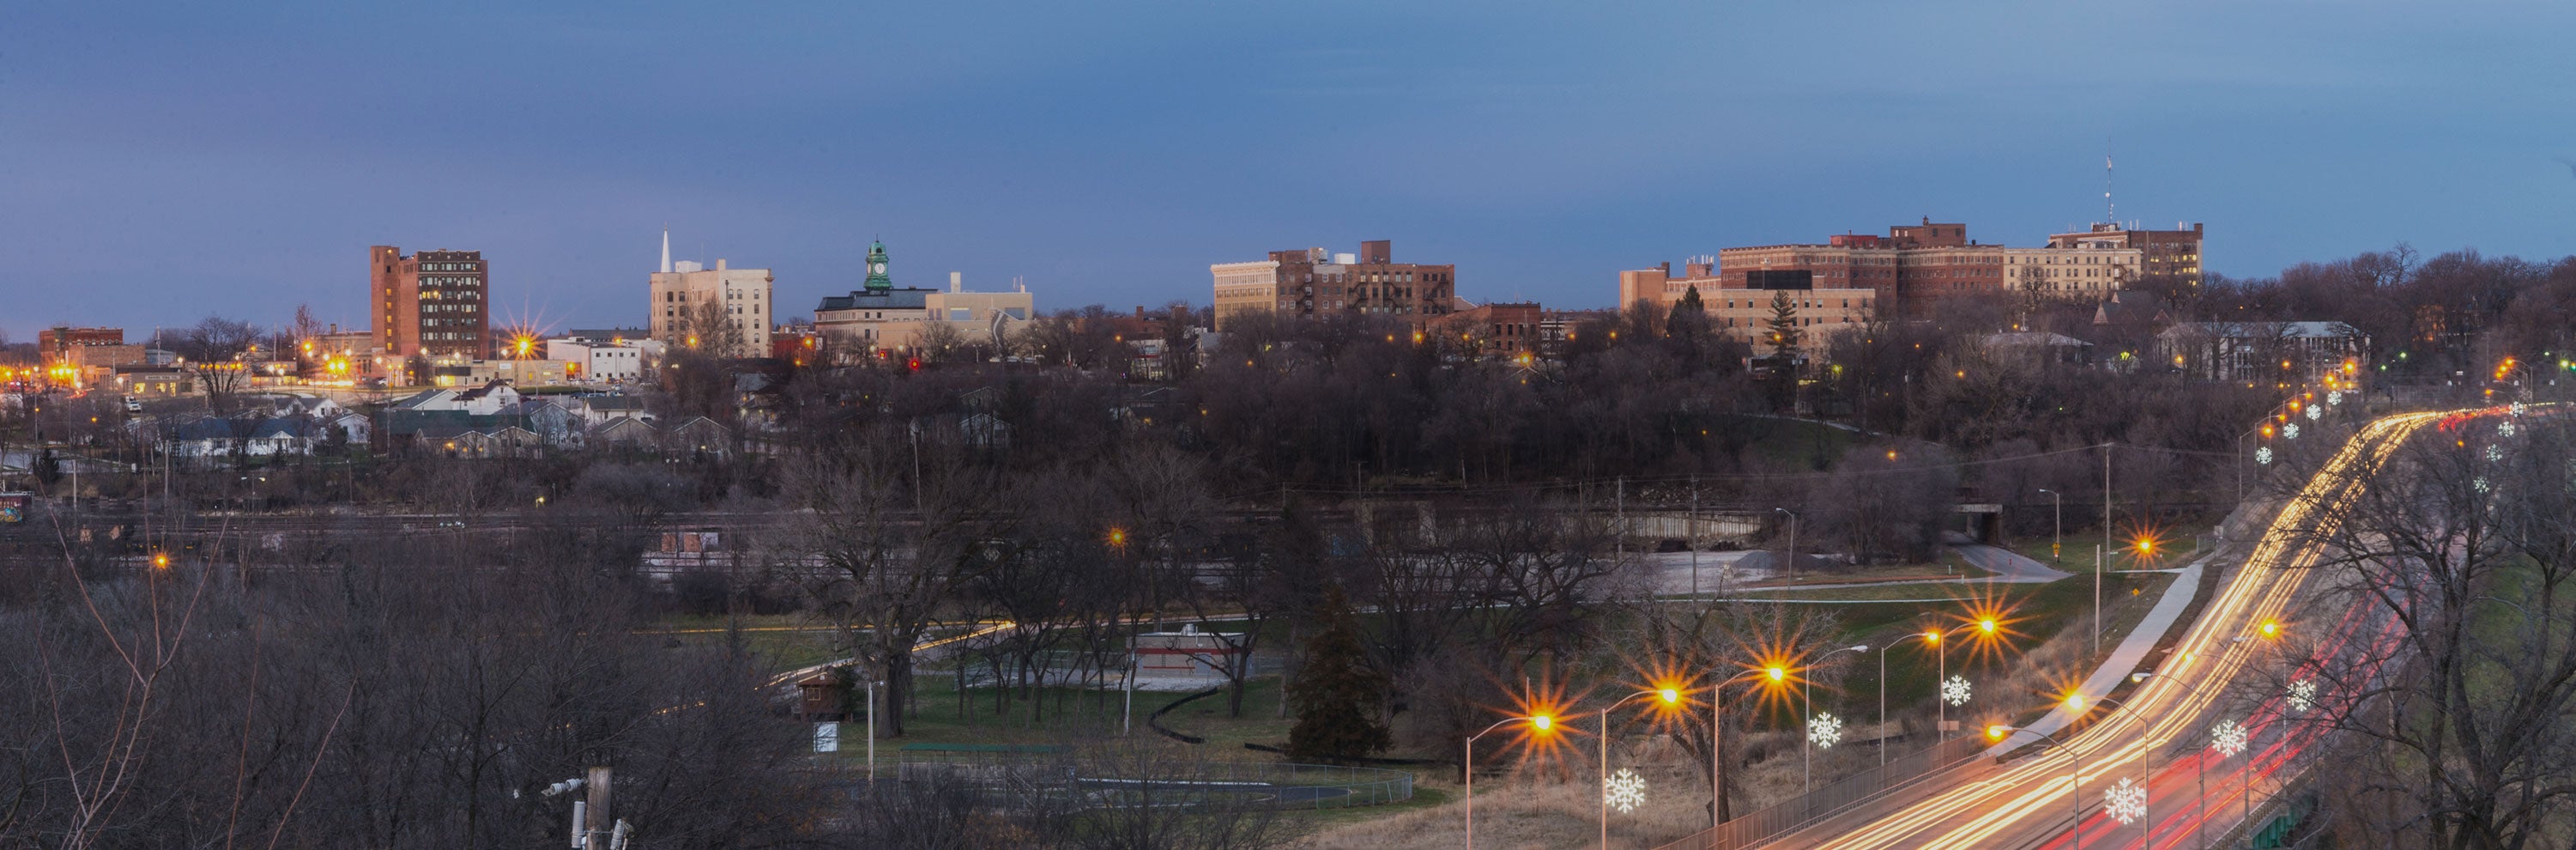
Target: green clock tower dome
[(877, 279)]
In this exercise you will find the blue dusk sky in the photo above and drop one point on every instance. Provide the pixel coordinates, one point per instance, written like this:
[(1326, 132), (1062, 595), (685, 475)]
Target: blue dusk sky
[(161, 161)]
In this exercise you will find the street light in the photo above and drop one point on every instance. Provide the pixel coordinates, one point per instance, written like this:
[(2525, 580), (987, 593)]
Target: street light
[(1793, 542), (2057, 545), (2075, 703), (1670, 697), (1541, 722), (1807, 685), (1778, 675), (2074, 774)]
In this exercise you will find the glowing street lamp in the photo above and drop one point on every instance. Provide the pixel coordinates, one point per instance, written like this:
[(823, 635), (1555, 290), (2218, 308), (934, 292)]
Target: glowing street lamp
[(1628, 797), (1542, 724)]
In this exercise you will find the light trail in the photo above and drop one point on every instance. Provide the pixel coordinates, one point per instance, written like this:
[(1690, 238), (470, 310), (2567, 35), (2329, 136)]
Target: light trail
[(2032, 792)]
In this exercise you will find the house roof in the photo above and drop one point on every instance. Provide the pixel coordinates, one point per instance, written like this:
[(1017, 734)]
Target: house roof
[(904, 298), (2281, 330), (416, 400)]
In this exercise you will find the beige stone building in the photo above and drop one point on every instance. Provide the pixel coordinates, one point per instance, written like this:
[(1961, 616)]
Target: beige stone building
[(882, 317), (681, 289)]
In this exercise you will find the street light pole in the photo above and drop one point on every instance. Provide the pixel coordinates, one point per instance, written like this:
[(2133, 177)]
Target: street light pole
[(2102, 552), (1806, 735), (1717, 740), (1670, 697), (1793, 542), (1540, 722), (2074, 771), (2057, 544)]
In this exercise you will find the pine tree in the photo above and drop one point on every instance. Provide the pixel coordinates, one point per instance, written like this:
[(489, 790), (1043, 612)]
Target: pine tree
[(1783, 326), (1337, 697)]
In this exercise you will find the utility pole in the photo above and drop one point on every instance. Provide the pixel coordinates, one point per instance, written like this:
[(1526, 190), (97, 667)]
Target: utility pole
[(596, 826), (1619, 512), (2102, 553), (1692, 535)]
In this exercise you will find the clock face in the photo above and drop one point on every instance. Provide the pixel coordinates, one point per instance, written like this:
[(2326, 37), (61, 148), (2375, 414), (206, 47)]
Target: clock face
[(877, 267)]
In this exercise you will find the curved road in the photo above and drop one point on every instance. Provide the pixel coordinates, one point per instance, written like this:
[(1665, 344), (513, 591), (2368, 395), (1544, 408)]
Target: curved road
[(2025, 803)]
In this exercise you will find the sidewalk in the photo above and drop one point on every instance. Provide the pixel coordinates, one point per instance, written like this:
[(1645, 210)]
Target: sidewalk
[(2132, 650)]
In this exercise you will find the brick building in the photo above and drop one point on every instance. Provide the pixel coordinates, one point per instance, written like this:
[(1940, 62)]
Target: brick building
[(55, 344), (1313, 281), (433, 303), (2169, 260), (1915, 264), (1493, 328)]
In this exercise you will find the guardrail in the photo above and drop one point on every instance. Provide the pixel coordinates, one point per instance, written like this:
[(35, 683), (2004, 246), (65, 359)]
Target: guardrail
[(1289, 785), (1752, 830)]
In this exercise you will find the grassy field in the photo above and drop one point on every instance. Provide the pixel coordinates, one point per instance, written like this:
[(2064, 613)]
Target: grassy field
[(2171, 552), (2046, 646)]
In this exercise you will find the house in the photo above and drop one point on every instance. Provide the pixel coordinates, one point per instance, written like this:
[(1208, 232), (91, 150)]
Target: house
[(984, 431), (355, 429), (699, 434), (606, 409), (2036, 346), (248, 436), (2271, 352), (488, 399), (625, 432), (560, 426)]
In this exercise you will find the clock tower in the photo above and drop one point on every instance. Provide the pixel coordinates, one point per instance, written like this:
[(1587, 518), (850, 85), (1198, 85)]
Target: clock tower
[(877, 279)]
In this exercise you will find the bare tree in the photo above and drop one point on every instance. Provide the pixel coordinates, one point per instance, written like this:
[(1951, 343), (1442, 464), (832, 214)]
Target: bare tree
[(896, 524), (2460, 732), (217, 351)]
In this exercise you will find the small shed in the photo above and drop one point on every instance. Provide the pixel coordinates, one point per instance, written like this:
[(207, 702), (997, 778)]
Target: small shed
[(824, 697)]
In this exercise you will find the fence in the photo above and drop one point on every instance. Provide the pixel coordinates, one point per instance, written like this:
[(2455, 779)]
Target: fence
[(1754, 829), (1279, 785)]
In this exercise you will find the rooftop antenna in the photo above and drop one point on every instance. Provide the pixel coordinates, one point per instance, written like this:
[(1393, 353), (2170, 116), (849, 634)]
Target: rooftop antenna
[(2111, 211)]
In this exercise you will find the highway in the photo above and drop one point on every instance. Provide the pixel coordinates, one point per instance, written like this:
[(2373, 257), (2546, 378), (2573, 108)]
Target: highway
[(2161, 736)]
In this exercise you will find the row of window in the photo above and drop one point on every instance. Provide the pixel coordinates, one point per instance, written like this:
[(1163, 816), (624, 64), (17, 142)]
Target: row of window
[(448, 267)]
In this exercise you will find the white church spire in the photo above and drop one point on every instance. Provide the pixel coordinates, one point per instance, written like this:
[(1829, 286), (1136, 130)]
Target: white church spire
[(666, 250)]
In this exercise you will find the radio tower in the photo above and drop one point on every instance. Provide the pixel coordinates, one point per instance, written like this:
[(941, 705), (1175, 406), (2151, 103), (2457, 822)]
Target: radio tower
[(2108, 208)]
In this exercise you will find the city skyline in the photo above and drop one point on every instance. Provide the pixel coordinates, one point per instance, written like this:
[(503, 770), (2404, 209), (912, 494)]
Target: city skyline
[(1541, 150)]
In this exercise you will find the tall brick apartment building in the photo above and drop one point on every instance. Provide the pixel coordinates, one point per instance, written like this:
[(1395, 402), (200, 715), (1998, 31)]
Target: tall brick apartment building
[(433, 302), (1313, 281), (2170, 258), (1915, 264)]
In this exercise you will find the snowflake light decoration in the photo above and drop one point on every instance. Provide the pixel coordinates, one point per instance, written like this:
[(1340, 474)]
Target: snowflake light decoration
[(2334, 396), (1624, 791), (2495, 454), (2127, 801), (2314, 412), (1955, 691), (2303, 696), (2505, 429), (2517, 408), (2263, 455), (1824, 730), (2291, 430), (2228, 738), (2481, 484)]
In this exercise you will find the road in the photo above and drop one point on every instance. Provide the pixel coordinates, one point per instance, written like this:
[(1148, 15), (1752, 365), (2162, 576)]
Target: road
[(2160, 736)]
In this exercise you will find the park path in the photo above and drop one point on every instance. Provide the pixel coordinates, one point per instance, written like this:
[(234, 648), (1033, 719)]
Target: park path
[(2130, 653)]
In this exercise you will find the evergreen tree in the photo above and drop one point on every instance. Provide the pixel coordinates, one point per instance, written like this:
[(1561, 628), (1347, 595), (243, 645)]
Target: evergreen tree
[(46, 469), (1337, 697), (1784, 327), (1689, 322)]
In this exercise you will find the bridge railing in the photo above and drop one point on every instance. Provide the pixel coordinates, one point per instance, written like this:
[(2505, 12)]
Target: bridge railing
[(1752, 830)]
